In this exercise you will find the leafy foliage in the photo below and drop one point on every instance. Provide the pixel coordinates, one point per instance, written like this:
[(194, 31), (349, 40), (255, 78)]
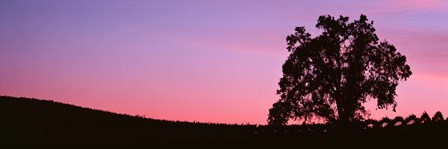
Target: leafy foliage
[(438, 117), (331, 75), (425, 118)]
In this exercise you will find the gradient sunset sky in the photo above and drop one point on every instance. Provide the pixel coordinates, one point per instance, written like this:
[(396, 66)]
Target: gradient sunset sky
[(209, 61)]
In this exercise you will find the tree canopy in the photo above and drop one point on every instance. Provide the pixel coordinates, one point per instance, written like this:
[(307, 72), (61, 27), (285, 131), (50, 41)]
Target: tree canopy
[(331, 76)]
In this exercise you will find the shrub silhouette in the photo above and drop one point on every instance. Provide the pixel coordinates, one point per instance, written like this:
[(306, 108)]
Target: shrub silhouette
[(333, 74)]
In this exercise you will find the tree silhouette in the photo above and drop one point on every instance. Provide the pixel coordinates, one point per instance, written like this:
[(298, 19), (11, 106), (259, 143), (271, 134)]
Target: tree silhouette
[(331, 75), (411, 120), (398, 121), (425, 118), (438, 117)]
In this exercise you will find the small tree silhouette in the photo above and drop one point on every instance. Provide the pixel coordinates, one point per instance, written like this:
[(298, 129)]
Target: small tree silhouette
[(385, 122), (425, 118), (370, 123), (331, 75), (398, 121), (411, 120), (438, 117)]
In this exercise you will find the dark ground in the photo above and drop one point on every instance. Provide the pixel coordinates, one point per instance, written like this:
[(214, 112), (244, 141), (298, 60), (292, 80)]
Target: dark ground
[(34, 123)]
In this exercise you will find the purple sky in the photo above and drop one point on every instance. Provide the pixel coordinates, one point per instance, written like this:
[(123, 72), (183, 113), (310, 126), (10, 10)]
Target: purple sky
[(208, 61)]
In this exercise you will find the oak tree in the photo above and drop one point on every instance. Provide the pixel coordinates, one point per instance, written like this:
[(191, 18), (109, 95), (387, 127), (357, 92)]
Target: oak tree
[(331, 76)]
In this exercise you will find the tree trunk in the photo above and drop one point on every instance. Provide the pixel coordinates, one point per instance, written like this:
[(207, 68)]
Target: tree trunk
[(343, 119)]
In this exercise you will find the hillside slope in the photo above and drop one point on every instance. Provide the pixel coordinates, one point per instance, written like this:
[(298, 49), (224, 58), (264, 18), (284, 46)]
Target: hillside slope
[(27, 122)]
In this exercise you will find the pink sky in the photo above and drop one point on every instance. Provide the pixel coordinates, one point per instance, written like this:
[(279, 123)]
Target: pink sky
[(208, 61)]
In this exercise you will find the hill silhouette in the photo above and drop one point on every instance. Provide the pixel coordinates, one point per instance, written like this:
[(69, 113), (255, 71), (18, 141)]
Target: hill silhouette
[(28, 122)]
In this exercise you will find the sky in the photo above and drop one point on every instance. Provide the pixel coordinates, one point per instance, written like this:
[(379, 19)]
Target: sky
[(200, 60)]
